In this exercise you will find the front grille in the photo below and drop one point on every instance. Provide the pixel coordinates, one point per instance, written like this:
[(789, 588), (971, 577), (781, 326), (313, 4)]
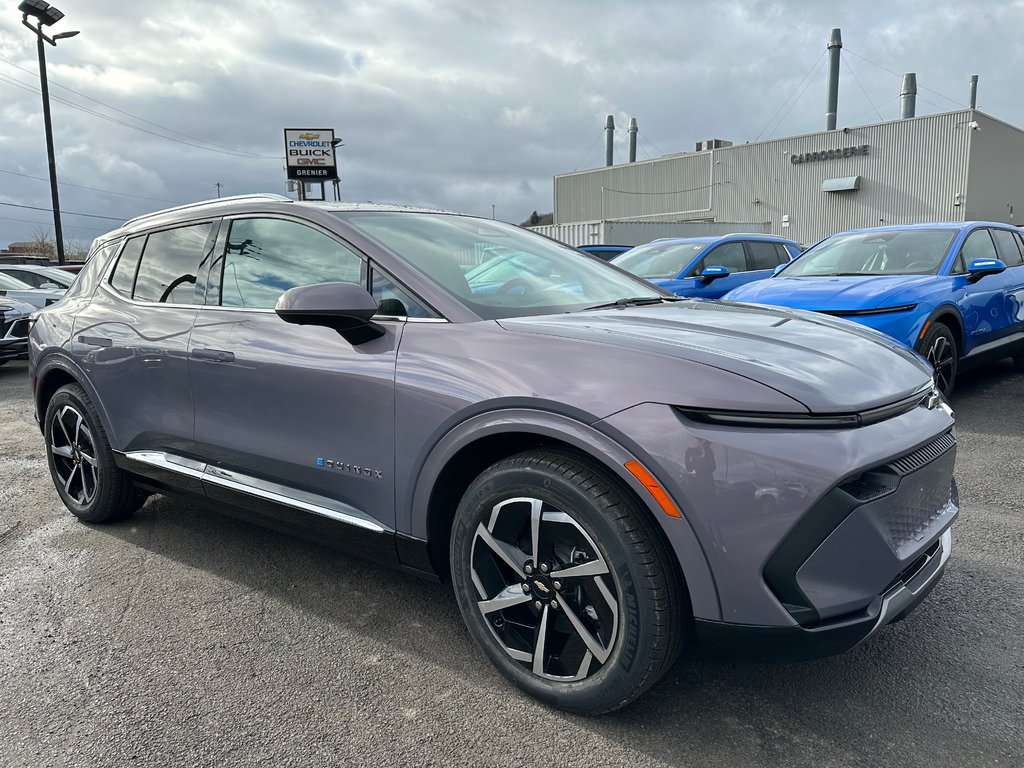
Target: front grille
[(5, 325), (914, 461), (19, 328)]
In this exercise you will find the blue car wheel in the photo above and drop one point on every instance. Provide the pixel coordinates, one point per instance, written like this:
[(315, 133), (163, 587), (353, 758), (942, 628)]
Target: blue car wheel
[(938, 347)]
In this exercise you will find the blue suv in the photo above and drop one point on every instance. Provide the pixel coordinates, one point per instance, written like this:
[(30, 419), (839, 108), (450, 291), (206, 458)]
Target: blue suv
[(953, 292), (708, 267)]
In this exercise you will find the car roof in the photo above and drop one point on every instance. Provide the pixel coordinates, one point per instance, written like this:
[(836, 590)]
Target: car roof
[(958, 225), (724, 238)]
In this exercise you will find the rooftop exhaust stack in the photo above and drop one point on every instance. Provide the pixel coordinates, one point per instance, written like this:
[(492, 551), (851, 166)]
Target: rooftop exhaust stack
[(609, 139), (632, 139), (835, 46), (908, 96), (974, 91)]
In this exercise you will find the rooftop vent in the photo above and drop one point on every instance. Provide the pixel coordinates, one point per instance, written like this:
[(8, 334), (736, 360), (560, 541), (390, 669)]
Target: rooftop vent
[(707, 144)]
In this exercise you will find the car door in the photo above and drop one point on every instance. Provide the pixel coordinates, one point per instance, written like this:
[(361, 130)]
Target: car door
[(294, 417), (985, 303), (730, 255), (1008, 245), (763, 256), (132, 338)]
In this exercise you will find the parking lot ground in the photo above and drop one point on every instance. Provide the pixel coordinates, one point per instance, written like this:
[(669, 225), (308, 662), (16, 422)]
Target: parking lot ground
[(181, 637)]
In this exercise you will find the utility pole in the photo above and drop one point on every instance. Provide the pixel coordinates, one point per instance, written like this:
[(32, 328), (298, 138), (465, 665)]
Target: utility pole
[(492, 210), (218, 186)]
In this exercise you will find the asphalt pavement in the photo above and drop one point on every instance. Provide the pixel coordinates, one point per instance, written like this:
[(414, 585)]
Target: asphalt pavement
[(181, 637)]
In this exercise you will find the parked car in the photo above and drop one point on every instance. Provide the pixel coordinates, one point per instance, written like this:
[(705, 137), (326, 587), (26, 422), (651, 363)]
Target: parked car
[(707, 267), (606, 252), (953, 292), (74, 268), (39, 277), (581, 455), (14, 319), (13, 288)]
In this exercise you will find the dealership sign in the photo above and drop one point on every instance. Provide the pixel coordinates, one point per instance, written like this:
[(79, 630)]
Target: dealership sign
[(309, 154), (829, 154)]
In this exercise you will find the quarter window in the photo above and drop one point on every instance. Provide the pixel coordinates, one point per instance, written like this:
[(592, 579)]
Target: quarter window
[(123, 279), (266, 257), (1006, 244), (392, 299)]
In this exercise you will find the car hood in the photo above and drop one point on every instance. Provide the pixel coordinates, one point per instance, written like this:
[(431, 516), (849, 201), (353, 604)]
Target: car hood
[(828, 365), (37, 297), (830, 294)]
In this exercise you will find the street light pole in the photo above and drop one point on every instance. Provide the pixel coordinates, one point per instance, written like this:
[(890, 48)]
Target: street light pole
[(48, 15)]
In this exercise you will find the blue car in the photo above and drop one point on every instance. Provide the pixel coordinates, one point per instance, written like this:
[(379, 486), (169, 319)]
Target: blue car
[(708, 267), (953, 292)]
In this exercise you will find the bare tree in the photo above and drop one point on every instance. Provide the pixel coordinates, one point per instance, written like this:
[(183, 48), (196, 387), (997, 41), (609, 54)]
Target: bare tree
[(42, 243)]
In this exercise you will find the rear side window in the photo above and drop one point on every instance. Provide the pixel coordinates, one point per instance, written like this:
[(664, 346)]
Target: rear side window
[(766, 255), (123, 279), (978, 246), (266, 257), (170, 260), (1006, 244)]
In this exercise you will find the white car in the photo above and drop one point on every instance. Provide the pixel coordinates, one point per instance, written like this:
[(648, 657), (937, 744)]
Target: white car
[(38, 276), (13, 288)]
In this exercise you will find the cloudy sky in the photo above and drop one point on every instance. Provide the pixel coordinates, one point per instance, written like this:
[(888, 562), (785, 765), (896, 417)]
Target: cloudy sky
[(461, 104)]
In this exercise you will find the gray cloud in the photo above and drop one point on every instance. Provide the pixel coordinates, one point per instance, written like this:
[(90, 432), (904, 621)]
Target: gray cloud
[(458, 104)]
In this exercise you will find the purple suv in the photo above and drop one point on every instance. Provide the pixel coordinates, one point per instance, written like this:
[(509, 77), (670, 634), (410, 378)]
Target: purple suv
[(604, 471)]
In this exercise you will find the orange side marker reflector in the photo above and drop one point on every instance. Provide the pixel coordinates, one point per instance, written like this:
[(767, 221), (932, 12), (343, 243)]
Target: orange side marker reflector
[(924, 330), (647, 479)]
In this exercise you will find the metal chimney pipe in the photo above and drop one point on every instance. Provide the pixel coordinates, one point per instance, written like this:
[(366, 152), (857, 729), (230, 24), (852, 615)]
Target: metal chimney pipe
[(632, 139), (974, 91), (609, 139), (908, 95), (835, 46)]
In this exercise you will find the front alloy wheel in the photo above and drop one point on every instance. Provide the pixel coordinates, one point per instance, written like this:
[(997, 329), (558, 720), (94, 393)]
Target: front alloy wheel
[(939, 348), (565, 581)]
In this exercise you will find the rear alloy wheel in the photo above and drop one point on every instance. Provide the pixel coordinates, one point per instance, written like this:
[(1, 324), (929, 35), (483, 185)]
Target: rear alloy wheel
[(81, 463), (565, 582), (938, 347)]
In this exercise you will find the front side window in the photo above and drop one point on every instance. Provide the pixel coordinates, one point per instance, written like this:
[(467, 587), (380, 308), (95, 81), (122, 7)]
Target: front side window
[(495, 269), (978, 245), (170, 260), (659, 260), (728, 255), (888, 252), (266, 257)]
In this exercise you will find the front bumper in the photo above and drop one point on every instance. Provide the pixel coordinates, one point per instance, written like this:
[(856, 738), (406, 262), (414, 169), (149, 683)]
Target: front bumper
[(14, 339), (800, 643)]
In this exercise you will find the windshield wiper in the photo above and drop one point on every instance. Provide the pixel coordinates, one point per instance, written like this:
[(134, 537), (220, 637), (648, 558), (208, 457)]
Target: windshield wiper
[(635, 301)]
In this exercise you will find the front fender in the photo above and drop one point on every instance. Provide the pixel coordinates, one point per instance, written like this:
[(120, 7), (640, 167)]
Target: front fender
[(589, 440)]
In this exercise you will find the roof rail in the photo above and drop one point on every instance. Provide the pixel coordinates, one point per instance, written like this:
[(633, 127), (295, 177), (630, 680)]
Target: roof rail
[(212, 201)]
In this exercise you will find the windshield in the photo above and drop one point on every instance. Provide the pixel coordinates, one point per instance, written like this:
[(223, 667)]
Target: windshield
[(654, 260), (9, 283), (496, 269), (899, 252)]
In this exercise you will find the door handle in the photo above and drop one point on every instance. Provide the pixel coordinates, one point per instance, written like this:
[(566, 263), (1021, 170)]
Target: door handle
[(96, 341), (213, 355)]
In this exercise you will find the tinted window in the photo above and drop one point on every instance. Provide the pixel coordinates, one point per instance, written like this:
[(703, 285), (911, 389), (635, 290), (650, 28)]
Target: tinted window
[(877, 252), (29, 278), (978, 246), (266, 257), (123, 279), (392, 299), (728, 255), (765, 255), (170, 260), (1006, 244)]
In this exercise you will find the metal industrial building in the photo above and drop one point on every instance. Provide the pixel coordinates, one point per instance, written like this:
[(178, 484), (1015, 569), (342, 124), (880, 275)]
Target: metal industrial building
[(955, 166)]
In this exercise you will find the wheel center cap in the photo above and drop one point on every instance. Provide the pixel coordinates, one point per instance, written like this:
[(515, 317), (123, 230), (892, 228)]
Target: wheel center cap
[(541, 587)]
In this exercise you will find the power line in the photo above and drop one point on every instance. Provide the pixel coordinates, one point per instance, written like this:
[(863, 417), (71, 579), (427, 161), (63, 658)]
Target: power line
[(123, 112), (94, 189), (673, 192), (587, 153), (68, 213), (793, 103), (61, 100), (783, 104), (856, 79), (50, 224), (864, 114), (897, 74)]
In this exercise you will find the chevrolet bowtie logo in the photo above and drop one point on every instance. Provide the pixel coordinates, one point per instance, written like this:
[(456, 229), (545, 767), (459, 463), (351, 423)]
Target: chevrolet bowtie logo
[(540, 585)]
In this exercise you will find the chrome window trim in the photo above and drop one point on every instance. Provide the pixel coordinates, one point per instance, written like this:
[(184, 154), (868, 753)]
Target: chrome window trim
[(234, 481)]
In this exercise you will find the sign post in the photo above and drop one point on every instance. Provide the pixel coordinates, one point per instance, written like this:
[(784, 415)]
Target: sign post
[(309, 157)]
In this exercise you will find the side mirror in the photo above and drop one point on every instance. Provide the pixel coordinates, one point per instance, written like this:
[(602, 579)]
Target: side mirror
[(978, 268), (710, 274), (345, 307), (779, 268), (51, 286)]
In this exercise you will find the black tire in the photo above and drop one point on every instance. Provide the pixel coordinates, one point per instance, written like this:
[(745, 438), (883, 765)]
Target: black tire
[(938, 346), (579, 505), (81, 463)]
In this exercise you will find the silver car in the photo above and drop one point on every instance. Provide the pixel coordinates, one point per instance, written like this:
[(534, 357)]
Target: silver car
[(39, 276), (13, 288), (604, 472)]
